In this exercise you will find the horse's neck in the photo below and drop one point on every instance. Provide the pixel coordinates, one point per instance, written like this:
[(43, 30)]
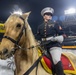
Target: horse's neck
[(27, 41), (32, 42)]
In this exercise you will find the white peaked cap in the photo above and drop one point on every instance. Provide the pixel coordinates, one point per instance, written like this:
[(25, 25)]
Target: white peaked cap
[(47, 10)]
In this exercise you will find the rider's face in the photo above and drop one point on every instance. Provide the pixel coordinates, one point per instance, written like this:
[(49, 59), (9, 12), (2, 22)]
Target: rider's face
[(47, 17)]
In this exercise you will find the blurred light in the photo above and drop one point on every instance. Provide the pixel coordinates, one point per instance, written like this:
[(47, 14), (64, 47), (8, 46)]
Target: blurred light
[(55, 18), (70, 11), (16, 7), (19, 12), (16, 10), (62, 18)]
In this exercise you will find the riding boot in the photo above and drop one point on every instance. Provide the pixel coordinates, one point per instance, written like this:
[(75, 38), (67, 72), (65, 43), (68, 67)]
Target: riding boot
[(59, 68)]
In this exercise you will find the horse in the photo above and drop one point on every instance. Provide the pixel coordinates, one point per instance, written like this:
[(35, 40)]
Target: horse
[(19, 40)]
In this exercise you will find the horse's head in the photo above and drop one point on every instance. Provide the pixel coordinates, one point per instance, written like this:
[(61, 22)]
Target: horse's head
[(15, 27)]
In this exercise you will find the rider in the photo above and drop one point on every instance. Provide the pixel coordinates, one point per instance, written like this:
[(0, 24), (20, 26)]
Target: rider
[(52, 33)]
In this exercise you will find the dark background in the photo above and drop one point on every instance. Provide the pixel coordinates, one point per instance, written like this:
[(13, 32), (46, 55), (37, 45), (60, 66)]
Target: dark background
[(35, 6)]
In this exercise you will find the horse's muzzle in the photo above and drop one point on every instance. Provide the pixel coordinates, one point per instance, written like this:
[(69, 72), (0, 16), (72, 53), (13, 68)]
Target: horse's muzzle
[(3, 53)]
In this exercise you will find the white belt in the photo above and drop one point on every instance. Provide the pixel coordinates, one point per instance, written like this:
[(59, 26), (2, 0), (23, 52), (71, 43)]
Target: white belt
[(46, 39)]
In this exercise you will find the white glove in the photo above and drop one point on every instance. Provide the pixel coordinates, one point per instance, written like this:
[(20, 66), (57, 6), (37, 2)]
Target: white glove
[(58, 39)]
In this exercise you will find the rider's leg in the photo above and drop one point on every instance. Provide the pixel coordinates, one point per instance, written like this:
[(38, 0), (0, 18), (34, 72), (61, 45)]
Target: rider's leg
[(56, 57), (59, 68)]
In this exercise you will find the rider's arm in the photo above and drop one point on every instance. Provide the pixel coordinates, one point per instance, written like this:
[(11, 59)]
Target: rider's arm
[(60, 32)]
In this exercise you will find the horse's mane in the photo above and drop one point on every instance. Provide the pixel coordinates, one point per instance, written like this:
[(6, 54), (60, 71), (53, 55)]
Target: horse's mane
[(32, 41)]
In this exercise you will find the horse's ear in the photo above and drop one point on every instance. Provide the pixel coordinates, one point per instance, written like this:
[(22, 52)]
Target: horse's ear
[(26, 15)]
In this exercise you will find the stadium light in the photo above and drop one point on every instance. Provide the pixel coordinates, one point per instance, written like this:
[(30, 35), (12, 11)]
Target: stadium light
[(70, 11), (19, 12)]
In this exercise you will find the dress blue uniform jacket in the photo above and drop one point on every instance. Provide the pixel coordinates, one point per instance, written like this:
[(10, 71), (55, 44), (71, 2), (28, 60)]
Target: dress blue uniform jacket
[(49, 29)]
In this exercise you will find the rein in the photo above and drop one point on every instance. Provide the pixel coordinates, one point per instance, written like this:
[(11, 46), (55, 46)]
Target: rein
[(33, 66), (13, 50)]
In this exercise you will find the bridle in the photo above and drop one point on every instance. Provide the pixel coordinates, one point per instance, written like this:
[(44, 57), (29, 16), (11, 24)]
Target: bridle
[(16, 42), (20, 35)]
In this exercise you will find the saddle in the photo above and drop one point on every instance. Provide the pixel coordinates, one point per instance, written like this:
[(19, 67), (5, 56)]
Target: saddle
[(68, 65)]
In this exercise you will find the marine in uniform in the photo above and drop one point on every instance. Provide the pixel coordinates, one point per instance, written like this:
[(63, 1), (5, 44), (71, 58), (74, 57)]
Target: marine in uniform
[(52, 33)]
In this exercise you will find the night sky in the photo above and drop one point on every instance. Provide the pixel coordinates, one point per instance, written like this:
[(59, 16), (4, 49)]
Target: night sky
[(35, 6)]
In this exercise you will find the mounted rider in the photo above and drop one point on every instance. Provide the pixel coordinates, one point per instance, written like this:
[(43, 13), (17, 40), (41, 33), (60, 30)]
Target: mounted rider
[(52, 33)]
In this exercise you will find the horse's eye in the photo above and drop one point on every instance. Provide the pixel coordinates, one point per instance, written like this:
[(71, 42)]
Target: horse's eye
[(18, 25)]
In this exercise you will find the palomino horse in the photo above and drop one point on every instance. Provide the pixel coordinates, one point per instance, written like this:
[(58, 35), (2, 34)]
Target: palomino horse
[(19, 40)]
